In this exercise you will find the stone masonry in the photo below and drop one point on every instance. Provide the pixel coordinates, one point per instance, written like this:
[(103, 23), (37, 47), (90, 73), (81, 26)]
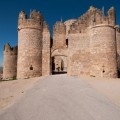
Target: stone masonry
[(10, 62), (89, 45), (30, 30)]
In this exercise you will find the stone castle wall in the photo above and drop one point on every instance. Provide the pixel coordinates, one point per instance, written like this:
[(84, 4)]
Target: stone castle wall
[(10, 62), (78, 54), (89, 45), (30, 45), (92, 45), (59, 35), (46, 59), (118, 46), (68, 23)]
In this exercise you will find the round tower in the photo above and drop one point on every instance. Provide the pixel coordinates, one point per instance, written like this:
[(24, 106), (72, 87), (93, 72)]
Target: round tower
[(59, 35), (30, 45), (118, 46), (103, 51), (10, 62)]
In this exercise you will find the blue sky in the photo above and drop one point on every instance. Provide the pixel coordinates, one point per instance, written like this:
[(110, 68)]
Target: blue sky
[(52, 11)]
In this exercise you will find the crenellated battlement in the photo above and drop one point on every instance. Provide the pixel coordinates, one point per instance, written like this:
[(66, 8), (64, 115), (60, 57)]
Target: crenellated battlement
[(93, 17), (35, 20), (10, 50), (59, 28), (45, 27), (111, 16)]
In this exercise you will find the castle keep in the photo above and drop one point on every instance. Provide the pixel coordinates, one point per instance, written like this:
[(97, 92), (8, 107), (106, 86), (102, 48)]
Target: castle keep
[(89, 45)]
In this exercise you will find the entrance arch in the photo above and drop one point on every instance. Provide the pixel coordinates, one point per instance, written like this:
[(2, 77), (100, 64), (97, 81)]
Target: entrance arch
[(59, 61)]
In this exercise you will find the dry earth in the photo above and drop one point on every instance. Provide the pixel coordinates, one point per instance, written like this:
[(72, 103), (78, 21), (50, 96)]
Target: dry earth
[(11, 91), (109, 87)]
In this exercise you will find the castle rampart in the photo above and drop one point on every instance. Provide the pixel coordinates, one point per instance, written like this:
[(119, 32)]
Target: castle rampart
[(79, 52), (68, 23), (46, 60), (59, 35), (10, 62)]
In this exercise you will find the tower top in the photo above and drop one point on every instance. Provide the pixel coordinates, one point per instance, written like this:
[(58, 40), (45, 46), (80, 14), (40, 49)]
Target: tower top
[(22, 15), (45, 27), (59, 27), (8, 49), (36, 15), (92, 8), (35, 20)]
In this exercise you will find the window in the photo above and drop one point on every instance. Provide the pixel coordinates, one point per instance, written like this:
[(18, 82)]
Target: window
[(67, 42), (31, 67)]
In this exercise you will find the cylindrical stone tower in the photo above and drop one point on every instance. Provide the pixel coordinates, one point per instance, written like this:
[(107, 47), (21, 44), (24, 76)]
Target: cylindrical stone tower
[(59, 35), (29, 45), (10, 62), (103, 51), (118, 46)]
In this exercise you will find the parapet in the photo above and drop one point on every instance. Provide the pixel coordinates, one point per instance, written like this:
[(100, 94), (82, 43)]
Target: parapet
[(34, 21), (59, 28), (93, 17), (22, 15), (45, 27), (111, 16), (36, 15), (68, 23), (10, 50)]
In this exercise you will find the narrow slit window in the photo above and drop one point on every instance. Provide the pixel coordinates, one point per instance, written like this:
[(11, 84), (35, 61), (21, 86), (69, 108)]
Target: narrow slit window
[(67, 42), (31, 67)]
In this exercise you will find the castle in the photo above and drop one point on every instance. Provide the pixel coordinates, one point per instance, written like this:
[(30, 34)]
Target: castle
[(89, 45)]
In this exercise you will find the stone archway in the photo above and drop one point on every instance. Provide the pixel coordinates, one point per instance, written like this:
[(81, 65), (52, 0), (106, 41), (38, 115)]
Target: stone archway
[(59, 61), (59, 64)]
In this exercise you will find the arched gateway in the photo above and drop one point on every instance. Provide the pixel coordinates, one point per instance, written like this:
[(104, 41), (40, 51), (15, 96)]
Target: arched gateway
[(59, 61)]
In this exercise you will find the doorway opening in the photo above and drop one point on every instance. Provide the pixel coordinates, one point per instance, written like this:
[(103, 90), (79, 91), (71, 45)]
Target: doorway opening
[(59, 65)]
